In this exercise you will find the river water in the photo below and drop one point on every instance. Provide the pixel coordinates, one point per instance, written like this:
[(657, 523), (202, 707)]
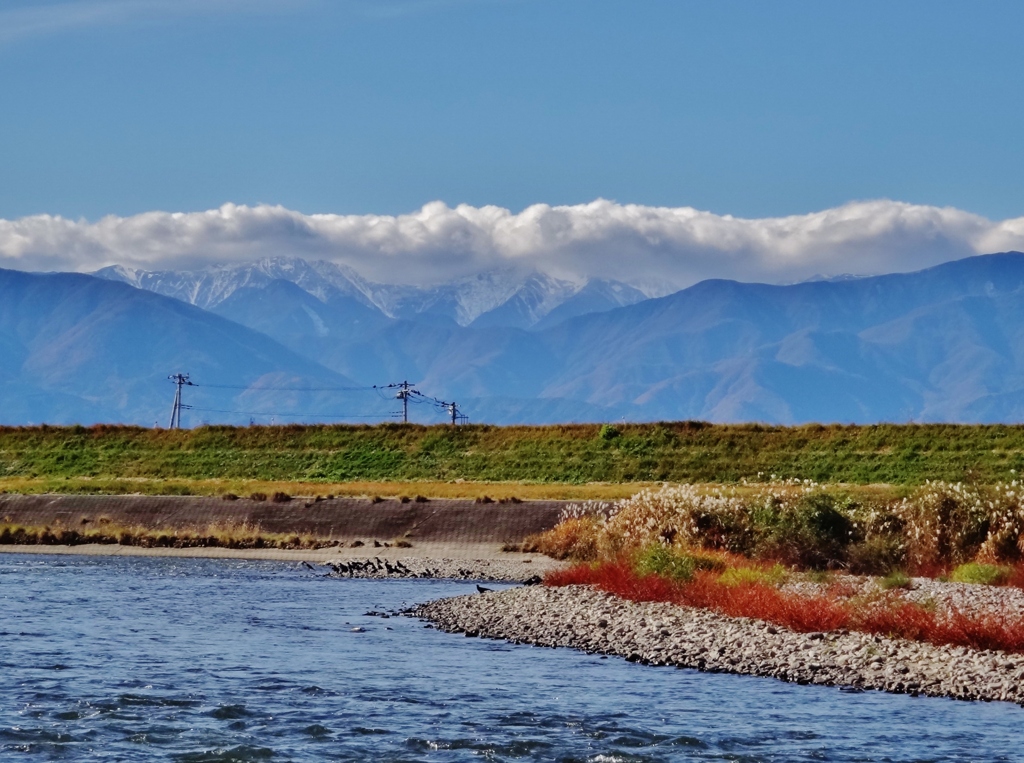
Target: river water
[(135, 659)]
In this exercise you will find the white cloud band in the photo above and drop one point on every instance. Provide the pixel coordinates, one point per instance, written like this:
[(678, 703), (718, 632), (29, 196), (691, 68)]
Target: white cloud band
[(660, 247)]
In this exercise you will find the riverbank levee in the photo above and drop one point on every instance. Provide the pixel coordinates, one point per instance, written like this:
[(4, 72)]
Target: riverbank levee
[(412, 520), (324, 458), (666, 634)]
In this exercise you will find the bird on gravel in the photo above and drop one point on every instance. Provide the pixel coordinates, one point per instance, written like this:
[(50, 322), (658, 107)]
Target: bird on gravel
[(481, 589)]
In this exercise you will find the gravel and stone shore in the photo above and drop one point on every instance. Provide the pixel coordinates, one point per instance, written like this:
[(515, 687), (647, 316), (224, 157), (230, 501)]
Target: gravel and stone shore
[(666, 634), (967, 598)]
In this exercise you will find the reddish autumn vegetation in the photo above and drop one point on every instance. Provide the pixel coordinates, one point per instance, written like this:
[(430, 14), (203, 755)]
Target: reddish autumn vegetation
[(886, 614)]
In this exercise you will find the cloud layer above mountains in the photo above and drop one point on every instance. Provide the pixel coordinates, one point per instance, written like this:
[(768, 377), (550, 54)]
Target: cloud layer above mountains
[(657, 248)]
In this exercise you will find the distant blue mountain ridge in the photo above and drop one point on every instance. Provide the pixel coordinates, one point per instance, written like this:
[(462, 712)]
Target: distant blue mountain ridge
[(942, 344)]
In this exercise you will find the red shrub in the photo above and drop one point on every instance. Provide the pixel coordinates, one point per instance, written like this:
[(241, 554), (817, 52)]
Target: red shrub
[(981, 632), (581, 574), (901, 619), (754, 600), (890, 616), (618, 578), (1017, 576)]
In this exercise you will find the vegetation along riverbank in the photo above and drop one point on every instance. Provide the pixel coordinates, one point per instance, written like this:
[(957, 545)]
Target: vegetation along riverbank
[(211, 459), (921, 594)]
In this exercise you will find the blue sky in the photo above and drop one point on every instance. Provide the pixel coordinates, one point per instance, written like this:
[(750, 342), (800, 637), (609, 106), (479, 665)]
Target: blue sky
[(750, 109), (743, 108)]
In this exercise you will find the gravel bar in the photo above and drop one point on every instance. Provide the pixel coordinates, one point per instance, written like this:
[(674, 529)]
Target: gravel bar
[(666, 634)]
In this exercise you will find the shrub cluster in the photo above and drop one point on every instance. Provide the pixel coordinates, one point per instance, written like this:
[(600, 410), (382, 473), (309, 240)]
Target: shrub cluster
[(804, 525)]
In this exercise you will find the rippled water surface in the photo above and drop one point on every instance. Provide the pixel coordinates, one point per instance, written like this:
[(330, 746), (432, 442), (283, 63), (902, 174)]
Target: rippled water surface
[(200, 660)]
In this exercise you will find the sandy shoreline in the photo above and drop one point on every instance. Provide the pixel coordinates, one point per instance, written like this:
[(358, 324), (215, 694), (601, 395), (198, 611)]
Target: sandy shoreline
[(457, 561), (423, 550)]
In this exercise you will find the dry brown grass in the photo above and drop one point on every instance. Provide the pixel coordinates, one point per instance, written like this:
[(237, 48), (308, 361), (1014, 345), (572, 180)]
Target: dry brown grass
[(574, 539), (105, 531)]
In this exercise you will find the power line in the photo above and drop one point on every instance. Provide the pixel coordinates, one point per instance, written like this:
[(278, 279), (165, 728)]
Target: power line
[(405, 392), (285, 389), (457, 416), (297, 415)]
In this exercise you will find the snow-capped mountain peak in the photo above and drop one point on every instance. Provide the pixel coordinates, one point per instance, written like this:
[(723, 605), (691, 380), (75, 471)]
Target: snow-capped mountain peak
[(209, 287), (500, 297)]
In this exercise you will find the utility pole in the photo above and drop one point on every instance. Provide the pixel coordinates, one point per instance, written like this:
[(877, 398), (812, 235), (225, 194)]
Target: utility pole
[(453, 409), (179, 380), (404, 390)]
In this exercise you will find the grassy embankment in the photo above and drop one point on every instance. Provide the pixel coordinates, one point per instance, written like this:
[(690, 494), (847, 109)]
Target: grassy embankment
[(570, 462)]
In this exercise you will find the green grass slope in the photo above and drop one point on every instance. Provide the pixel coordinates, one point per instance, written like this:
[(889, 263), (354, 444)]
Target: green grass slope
[(677, 452)]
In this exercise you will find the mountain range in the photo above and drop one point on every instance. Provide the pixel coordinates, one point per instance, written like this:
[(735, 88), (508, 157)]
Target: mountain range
[(504, 297), (284, 337)]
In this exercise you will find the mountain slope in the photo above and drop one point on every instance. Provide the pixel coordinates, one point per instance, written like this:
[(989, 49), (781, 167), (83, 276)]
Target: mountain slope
[(208, 288), (80, 349), (922, 346), (294, 317), (595, 297), (942, 344)]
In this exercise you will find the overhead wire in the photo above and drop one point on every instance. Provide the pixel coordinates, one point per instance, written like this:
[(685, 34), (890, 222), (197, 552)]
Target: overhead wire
[(297, 415), (382, 390), (285, 389)]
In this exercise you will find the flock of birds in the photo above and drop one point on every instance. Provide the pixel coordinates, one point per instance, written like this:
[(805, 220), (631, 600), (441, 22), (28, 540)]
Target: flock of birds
[(377, 567)]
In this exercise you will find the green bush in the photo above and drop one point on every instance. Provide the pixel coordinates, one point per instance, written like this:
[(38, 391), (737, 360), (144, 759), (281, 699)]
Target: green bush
[(661, 560), (879, 555), (982, 574), (737, 576), (895, 579), (608, 432), (813, 533)]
